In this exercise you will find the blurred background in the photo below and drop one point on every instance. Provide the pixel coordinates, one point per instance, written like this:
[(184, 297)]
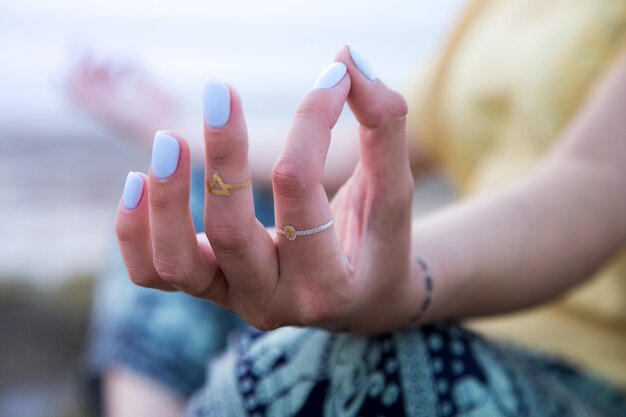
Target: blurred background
[(83, 85)]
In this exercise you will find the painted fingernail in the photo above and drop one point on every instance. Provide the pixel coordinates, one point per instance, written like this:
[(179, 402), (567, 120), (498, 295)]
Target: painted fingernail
[(331, 76), (165, 151), (133, 188), (362, 63), (216, 103)]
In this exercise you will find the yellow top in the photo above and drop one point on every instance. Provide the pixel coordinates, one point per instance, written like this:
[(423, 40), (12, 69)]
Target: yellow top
[(511, 78)]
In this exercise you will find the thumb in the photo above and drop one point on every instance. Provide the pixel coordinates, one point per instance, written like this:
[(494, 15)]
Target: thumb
[(381, 112)]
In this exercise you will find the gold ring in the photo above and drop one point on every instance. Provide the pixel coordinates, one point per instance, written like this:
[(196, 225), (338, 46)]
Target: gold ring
[(292, 234), (218, 187)]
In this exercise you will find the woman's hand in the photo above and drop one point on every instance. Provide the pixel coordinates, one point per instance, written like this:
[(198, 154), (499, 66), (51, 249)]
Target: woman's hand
[(355, 275)]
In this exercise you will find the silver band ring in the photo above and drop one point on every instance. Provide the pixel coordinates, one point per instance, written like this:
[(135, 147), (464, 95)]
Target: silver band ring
[(292, 234)]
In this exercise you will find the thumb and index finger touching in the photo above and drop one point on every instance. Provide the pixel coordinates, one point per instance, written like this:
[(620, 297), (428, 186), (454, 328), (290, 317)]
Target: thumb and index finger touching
[(301, 203), (381, 113), (384, 156)]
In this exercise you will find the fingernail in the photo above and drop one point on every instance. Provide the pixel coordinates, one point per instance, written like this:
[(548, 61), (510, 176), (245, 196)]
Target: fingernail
[(133, 188), (331, 76), (362, 63), (216, 103), (165, 151)]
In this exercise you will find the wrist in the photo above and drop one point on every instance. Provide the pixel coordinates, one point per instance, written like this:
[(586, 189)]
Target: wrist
[(421, 292), (423, 278)]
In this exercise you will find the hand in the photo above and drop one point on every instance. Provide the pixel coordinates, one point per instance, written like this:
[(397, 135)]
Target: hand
[(356, 275), (120, 94)]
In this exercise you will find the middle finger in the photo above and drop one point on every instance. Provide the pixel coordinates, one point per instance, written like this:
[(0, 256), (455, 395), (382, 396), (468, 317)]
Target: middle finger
[(242, 246)]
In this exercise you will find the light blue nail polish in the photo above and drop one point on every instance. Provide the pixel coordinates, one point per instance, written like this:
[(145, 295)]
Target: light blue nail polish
[(362, 64), (216, 103), (165, 151), (331, 76), (133, 188)]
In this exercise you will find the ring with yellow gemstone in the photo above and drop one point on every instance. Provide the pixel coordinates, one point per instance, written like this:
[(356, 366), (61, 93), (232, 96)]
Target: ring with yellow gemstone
[(292, 234)]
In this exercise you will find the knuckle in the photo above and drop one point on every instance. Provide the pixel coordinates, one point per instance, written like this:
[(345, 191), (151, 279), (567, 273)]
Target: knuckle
[(173, 272), (125, 235), (207, 292), (397, 105), (312, 314), (320, 110), (221, 152), (314, 110), (318, 314), (389, 110), (160, 203), (307, 110), (290, 180), (226, 240), (376, 115), (264, 322), (219, 155), (167, 200), (142, 278), (324, 305)]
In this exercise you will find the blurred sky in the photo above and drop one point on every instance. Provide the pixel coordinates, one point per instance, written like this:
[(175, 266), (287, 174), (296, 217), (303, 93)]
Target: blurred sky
[(270, 46), (54, 225)]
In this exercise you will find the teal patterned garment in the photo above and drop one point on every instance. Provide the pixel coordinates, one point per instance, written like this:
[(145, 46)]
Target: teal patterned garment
[(440, 370)]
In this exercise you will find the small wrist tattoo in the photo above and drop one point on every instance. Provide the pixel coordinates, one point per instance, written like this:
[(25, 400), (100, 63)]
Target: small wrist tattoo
[(428, 286)]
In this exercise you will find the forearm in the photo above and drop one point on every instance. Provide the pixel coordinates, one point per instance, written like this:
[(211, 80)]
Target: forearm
[(532, 241), (521, 246)]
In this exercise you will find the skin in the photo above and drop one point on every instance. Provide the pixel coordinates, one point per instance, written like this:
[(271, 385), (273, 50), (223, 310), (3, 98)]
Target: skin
[(532, 241), (514, 248)]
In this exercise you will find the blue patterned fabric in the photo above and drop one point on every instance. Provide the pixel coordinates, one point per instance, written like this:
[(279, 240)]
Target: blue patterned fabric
[(440, 370)]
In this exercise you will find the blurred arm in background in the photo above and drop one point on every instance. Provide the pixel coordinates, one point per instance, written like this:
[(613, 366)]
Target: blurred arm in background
[(122, 95)]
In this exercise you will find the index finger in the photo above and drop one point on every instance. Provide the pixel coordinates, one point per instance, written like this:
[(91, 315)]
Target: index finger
[(303, 215)]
